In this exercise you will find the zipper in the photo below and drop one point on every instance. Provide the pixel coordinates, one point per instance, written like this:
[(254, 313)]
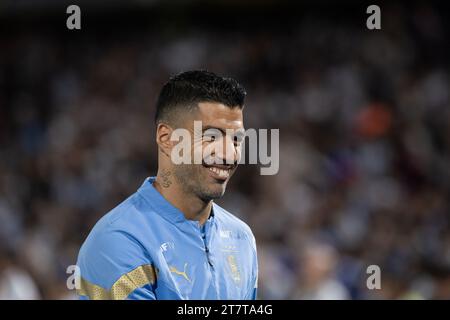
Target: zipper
[(208, 258), (203, 233)]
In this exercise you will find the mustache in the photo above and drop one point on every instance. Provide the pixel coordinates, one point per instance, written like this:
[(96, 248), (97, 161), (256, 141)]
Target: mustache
[(219, 163)]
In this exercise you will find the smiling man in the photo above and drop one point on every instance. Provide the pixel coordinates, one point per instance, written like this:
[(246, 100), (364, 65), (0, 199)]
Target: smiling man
[(169, 240)]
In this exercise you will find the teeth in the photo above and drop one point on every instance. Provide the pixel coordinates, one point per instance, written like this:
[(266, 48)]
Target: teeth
[(220, 172)]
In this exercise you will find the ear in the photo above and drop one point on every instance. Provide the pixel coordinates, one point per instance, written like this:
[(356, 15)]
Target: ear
[(163, 134)]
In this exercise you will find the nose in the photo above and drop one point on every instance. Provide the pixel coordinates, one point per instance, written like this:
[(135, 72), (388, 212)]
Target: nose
[(227, 152)]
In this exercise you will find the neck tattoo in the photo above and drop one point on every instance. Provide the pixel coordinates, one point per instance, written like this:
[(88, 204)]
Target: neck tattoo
[(165, 177)]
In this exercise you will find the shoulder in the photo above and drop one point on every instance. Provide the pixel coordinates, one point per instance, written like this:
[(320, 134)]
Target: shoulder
[(120, 221), (113, 246)]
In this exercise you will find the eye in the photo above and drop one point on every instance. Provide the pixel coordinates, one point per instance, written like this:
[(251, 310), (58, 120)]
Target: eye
[(211, 135), (209, 138)]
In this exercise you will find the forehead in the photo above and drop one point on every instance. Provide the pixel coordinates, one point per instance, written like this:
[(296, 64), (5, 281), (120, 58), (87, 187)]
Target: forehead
[(219, 115)]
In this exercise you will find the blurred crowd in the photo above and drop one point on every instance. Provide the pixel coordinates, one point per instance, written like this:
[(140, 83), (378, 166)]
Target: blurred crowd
[(364, 119)]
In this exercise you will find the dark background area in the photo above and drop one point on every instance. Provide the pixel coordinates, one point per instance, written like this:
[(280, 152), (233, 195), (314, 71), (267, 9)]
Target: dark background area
[(364, 135)]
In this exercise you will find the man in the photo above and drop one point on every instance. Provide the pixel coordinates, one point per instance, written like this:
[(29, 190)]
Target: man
[(169, 240)]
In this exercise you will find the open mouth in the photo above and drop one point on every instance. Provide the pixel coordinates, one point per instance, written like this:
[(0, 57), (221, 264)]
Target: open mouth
[(219, 172)]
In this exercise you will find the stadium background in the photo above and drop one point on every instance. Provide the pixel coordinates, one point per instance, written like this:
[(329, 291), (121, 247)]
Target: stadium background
[(364, 119)]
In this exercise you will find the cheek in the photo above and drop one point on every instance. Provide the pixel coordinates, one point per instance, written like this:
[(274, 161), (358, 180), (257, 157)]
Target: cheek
[(196, 152), (200, 172)]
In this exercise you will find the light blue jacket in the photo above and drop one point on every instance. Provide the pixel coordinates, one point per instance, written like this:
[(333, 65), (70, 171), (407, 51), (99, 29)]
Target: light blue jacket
[(146, 249)]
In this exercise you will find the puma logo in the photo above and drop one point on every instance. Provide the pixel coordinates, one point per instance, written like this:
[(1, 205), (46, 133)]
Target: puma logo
[(183, 274)]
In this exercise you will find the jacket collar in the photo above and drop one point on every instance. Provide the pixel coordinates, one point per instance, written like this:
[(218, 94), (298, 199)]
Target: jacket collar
[(163, 207)]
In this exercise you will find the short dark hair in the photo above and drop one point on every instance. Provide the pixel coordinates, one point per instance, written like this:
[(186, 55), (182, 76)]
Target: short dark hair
[(185, 90)]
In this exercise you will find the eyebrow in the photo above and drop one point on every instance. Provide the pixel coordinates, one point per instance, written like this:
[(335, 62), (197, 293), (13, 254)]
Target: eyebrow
[(223, 131), (212, 127)]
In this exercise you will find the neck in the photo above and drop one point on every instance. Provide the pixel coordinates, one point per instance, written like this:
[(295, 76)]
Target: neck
[(189, 204)]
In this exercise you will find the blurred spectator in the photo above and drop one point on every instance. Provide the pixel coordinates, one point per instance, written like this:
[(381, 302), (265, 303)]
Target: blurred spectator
[(15, 282), (317, 280)]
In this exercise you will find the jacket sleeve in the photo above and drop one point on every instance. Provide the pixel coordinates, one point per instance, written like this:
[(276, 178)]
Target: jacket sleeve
[(114, 266)]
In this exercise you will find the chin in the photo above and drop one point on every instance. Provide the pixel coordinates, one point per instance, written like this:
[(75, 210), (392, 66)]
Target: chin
[(213, 193)]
